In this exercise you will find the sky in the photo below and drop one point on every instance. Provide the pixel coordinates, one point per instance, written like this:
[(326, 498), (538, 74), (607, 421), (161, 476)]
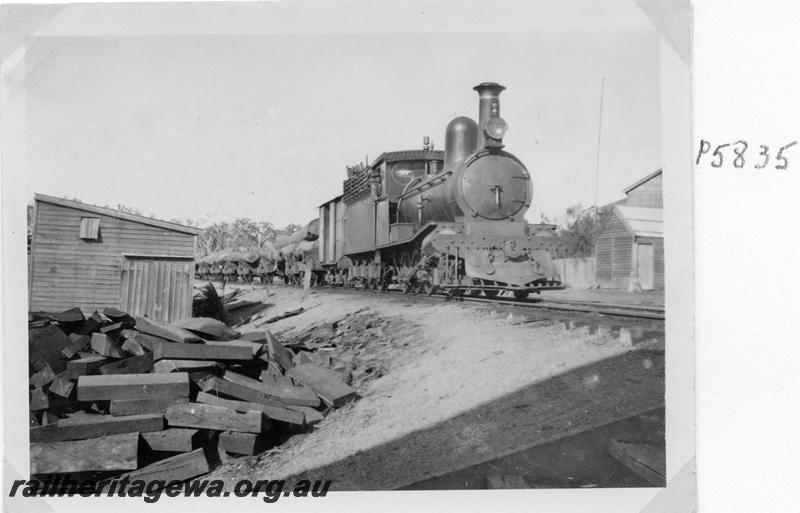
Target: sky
[(216, 126)]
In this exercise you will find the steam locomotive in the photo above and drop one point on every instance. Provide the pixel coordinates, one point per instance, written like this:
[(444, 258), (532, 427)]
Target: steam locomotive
[(449, 221)]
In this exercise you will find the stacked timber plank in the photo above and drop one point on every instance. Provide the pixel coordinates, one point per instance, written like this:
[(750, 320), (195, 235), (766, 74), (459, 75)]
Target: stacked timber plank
[(113, 394), (359, 346)]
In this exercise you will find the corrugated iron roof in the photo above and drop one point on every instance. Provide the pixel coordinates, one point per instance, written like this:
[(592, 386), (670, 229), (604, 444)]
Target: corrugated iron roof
[(640, 221), (394, 156), (337, 198), (77, 205), (643, 180)]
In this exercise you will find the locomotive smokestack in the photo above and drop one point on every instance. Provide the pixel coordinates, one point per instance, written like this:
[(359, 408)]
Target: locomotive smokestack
[(489, 106)]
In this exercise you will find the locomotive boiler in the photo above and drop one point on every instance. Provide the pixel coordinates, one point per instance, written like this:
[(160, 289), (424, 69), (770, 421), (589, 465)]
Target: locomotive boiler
[(451, 220)]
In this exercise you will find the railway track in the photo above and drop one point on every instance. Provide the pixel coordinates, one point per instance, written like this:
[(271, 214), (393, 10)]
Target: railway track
[(651, 312), (636, 311)]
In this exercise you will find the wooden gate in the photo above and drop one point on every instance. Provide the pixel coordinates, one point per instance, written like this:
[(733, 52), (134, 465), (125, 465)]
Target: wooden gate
[(158, 287)]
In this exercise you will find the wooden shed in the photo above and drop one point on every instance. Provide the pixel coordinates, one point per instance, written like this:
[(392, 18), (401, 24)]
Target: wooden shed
[(631, 244), (646, 192), (94, 257)]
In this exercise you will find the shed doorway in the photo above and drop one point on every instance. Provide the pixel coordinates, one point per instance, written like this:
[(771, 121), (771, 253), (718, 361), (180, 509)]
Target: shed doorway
[(645, 265), (159, 287)]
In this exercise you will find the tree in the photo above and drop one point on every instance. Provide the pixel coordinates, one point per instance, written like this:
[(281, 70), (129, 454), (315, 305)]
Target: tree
[(129, 210), (243, 233), (185, 222), (266, 232), (289, 229), (582, 226), (213, 238)]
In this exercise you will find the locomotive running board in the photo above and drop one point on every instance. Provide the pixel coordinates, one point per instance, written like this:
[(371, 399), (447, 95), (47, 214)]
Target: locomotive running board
[(502, 288), (425, 230)]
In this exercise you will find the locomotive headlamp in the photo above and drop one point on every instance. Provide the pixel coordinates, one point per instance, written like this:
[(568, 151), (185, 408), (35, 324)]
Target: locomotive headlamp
[(496, 129)]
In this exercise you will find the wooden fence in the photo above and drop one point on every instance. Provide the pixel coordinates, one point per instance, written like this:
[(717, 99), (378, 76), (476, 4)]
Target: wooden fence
[(577, 273)]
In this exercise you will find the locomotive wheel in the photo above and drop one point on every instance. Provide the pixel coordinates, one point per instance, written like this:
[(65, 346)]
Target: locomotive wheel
[(520, 294), (491, 293)]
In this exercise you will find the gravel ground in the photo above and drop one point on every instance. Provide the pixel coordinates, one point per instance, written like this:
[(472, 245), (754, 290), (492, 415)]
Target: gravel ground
[(448, 360), (622, 297)]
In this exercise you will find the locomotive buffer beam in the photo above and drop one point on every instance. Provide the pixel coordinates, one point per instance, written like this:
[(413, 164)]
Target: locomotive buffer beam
[(505, 262)]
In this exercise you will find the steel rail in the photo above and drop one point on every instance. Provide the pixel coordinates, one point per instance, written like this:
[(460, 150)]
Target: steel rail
[(599, 307)]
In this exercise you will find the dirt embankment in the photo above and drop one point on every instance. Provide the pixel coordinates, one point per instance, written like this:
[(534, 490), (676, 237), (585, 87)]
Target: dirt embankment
[(438, 361)]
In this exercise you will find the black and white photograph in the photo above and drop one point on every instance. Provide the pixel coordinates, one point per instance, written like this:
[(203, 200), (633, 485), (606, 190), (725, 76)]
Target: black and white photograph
[(273, 251)]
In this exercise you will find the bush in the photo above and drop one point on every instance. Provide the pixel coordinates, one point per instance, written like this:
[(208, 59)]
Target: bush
[(207, 303)]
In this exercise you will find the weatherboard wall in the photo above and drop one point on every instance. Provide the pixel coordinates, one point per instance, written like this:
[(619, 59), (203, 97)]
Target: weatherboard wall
[(67, 271), (647, 194), (613, 251), (615, 258)]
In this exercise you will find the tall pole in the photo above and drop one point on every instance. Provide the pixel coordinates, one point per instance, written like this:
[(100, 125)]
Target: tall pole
[(599, 134)]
